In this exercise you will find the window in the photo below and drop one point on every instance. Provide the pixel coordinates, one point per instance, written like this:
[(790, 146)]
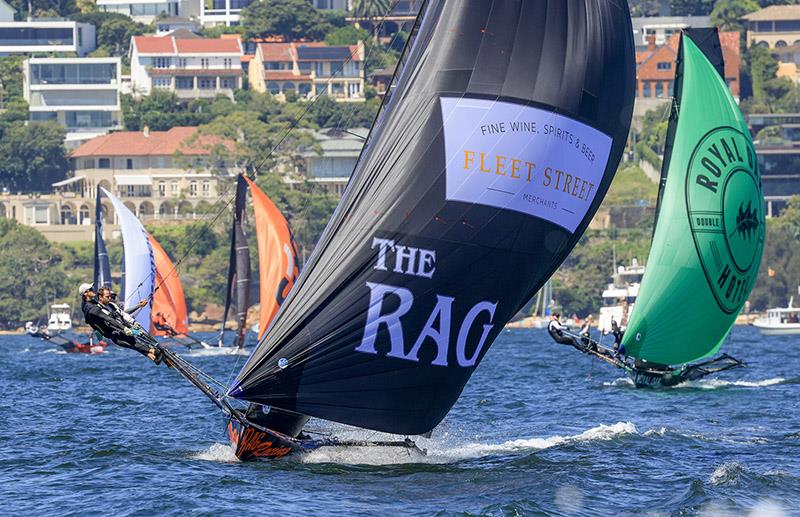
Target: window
[(41, 215), (228, 83), (130, 190), (664, 66), (173, 189), (161, 62), (193, 189), (129, 163), (227, 62), (162, 189), (181, 62), (84, 214), (207, 83), (206, 189), (184, 83), (203, 62), (162, 83), (105, 163), (88, 163), (273, 88)]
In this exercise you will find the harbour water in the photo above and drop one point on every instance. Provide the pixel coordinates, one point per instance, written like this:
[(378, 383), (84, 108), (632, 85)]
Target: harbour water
[(539, 429)]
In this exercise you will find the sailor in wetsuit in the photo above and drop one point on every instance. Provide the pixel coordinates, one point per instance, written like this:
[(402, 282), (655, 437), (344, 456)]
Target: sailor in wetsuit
[(102, 318), (556, 331)]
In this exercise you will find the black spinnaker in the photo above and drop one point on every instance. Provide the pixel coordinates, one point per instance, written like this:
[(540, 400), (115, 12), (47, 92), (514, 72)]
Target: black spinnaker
[(500, 141), (238, 293)]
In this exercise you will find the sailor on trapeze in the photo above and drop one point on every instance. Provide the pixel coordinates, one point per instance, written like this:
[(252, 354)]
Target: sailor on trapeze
[(556, 331), (108, 319)]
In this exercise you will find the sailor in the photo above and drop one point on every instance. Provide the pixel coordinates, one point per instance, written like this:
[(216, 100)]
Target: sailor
[(102, 319), (556, 331), (617, 332), (160, 323), (585, 333)]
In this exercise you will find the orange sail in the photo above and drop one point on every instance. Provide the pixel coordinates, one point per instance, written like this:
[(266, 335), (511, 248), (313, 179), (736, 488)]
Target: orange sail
[(169, 305), (278, 264)]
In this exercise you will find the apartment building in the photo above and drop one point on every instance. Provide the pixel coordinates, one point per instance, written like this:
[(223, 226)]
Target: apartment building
[(43, 36), (191, 68), (661, 28), (81, 94), (332, 163), (222, 12), (775, 26), (309, 69), (148, 11)]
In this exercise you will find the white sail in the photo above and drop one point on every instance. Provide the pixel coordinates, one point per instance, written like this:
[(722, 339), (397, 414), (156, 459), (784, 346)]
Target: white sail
[(138, 265)]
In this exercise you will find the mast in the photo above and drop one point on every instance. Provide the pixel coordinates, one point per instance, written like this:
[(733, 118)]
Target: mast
[(238, 292), (102, 266)]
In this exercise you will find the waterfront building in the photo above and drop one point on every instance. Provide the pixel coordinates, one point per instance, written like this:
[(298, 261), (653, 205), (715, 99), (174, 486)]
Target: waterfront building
[(46, 36), (331, 167), (779, 165), (170, 24), (81, 94), (191, 68), (148, 11), (160, 176), (222, 12), (659, 29), (776, 26), (309, 69)]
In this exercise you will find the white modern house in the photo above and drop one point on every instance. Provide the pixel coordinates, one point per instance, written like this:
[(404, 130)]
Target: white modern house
[(334, 157), (192, 68), (222, 12), (148, 11), (662, 27), (82, 94), (42, 36)]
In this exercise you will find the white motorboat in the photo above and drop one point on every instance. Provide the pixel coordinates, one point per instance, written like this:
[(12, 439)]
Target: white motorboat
[(780, 321), (60, 319), (620, 295)]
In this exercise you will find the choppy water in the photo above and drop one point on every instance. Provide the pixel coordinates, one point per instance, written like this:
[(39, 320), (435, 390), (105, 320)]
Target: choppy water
[(540, 429)]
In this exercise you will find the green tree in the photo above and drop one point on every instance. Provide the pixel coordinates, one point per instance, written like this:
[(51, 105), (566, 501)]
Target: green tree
[(347, 35), (292, 20), (371, 10), (727, 13), (27, 296), (11, 77), (691, 7), (779, 274), (32, 156)]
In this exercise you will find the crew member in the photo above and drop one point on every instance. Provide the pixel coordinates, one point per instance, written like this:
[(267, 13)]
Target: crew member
[(556, 331), (101, 318), (160, 323), (617, 332), (123, 314), (585, 333)]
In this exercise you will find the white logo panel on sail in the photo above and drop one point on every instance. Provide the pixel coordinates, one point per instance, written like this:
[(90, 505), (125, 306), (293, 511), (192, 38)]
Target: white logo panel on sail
[(522, 158)]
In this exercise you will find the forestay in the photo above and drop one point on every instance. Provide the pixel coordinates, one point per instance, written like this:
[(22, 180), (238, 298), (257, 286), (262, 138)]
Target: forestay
[(501, 138)]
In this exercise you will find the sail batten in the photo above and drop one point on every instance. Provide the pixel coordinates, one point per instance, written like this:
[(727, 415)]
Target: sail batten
[(709, 235), (483, 172)]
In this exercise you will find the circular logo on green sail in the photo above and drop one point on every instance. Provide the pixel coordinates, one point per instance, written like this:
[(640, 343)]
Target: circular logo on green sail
[(726, 215)]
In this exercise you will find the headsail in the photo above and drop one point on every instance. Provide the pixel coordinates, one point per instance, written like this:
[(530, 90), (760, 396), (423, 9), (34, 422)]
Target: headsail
[(278, 263), (500, 141), (169, 302), (138, 264), (238, 293), (102, 266), (709, 235)]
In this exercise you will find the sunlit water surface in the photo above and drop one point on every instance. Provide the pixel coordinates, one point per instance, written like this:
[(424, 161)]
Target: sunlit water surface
[(539, 429)]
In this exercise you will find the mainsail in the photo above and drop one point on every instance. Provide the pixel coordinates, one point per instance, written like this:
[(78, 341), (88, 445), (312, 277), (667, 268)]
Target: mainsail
[(238, 293), (278, 263), (499, 143), (709, 235), (102, 266), (138, 264), (169, 302)]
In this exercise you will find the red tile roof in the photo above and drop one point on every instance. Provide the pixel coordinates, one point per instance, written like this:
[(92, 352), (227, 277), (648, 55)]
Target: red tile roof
[(154, 44), (158, 143), (171, 45)]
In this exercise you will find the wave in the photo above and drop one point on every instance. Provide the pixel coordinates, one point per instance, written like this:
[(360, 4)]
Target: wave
[(214, 351), (620, 381), (217, 452), (712, 384), (439, 453)]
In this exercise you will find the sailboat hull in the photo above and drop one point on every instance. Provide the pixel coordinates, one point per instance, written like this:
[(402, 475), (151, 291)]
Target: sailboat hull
[(251, 443)]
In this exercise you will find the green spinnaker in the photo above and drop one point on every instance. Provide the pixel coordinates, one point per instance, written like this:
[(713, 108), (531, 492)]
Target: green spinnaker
[(709, 235)]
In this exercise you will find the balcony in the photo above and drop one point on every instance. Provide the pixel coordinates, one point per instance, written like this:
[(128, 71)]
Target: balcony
[(197, 93)]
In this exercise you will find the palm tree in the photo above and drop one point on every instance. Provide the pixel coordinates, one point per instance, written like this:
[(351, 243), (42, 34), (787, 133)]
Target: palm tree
[(370, 10)]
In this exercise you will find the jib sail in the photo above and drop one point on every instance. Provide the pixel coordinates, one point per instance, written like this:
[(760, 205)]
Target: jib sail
[(501, 138), (709, 235), (169, 303), (138, 265)]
